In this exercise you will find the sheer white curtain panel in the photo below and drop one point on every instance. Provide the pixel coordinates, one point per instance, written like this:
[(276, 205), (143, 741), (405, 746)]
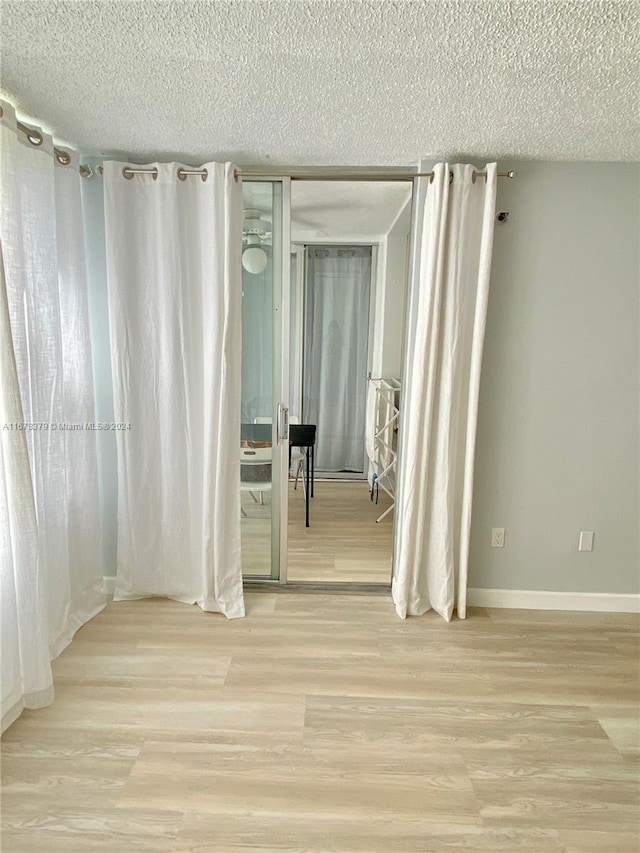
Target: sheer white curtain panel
[(27, 680), (448, 294), (51, 556), (336, 338), (174, 282)]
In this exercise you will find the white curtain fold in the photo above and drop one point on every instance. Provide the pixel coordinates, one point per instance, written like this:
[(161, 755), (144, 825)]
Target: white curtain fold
[(448, 294), (27, 680), (52, 560), (174, 281)]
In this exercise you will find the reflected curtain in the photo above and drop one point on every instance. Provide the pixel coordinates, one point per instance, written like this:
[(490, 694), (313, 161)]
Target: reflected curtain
[(295, 337), (50, 534), (448, 294), (336, 339), (257, 343), (173, 270)]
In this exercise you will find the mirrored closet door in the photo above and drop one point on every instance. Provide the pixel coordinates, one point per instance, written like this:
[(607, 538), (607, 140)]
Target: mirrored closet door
[(324, 270)]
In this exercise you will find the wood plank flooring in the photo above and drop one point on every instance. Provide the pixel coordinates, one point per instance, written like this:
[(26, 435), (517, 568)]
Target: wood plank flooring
[(343, 543), (325, 723)]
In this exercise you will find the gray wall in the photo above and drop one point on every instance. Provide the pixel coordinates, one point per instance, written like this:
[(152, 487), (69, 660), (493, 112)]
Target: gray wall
[(557, 446)]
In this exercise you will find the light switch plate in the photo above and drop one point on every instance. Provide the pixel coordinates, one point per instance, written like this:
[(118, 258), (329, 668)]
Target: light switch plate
[(586, 540)]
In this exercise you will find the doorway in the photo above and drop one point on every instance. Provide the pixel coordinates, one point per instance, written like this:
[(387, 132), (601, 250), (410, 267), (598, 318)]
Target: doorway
[(335, 355), (323, 320)]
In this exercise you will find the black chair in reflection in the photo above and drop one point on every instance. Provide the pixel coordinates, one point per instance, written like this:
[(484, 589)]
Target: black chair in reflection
[(304, 436)]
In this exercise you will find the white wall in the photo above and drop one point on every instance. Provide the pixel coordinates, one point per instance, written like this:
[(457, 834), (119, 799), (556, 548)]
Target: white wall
[(390, 301), (557, 447)]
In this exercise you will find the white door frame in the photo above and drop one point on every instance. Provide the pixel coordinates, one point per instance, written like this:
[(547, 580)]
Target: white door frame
[(282, 319), (281, 236)]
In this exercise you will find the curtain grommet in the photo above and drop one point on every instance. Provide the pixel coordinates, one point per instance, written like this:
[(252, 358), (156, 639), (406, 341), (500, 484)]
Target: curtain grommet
[(450, 177), (63, 157), (431, 177), (1, 112), (473, 176), (35, 137), (129, 172), (183, 174)]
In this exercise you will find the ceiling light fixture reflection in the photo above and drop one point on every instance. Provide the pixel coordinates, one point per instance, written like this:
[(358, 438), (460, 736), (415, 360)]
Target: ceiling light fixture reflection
[(254, 258)]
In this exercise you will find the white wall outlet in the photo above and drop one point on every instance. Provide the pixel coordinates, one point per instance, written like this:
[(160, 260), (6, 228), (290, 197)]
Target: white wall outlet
[(497, 537), (586, 540)]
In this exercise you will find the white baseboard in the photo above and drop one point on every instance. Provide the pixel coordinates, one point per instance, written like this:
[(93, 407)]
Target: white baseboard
[(528, 599), (534, 599)]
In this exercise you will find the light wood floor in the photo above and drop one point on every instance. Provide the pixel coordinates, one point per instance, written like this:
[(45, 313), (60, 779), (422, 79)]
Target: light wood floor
[(343, 543), (325, 723)]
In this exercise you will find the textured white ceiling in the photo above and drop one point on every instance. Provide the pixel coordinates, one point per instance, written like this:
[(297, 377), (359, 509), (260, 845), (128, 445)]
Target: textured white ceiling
[(358, 212), (329, 82), (334, 212)]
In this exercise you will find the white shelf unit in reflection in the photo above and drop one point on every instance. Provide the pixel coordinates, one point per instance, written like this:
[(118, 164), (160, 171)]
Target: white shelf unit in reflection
[(385, 439)]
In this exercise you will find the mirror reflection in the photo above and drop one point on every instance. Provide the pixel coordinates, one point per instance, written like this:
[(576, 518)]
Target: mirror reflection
[(348, 273)]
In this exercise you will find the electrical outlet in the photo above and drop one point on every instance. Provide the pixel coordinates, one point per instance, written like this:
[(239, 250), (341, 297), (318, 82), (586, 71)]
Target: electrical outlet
[(497, 537)]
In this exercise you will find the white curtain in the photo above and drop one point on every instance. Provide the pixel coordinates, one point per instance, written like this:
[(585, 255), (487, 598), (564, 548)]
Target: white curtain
[(336, 337), (449, 289), (49, 500), (174, 281)]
